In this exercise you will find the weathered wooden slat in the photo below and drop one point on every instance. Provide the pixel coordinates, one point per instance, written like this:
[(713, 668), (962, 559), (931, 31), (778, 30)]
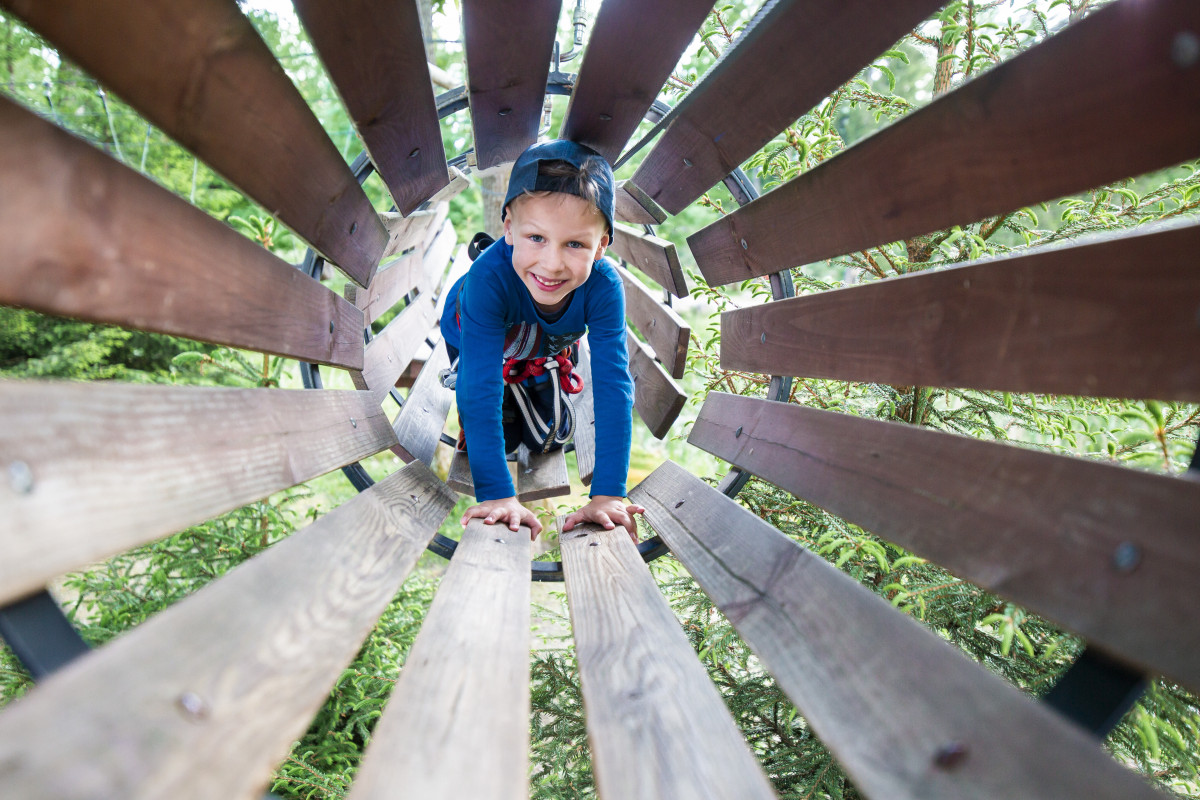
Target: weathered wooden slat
[(508, 45), (657, 726), (86, 237), (986, 148), (632, 50), (654, 256), (457, 724), (419, 424), (541, 475), (1012, 520), (1075, 320), (111, 466), (388, 354), (635, 206), (404, 232), (206, 698), (585, 418), (437, 256), (375, 55), (200, 73), (661, 325), (459, 478), (390, 285), (657, 398), (742, 104), (898, 733)]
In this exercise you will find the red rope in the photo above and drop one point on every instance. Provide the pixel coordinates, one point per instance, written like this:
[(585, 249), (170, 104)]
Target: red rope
[(517, 370)]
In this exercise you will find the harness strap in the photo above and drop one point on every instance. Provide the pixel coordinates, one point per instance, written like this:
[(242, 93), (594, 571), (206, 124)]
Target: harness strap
[(517, 370)]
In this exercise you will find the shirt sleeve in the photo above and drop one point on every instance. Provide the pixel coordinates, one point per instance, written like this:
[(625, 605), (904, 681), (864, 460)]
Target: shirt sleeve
[(612, 388)]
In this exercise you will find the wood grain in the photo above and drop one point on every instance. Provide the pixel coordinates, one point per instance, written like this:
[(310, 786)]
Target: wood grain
[(459, 478), (860, 671), (741, 104), (1007, 139), (86, 237), (657, 726), (419, 424), (666, 331), (438, 255), (541, 475), (200, 73), (1076, 320), (457, 724), (404, 232), (585, 418), (657, 399), (115, 465), (508, 43), (389, 286), (1040, 529), (654, 256), (206, 698), (388, 354), (375, 55), (635, 206)]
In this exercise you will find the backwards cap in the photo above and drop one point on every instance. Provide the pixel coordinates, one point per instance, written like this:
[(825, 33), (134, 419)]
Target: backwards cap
[(525, 176)]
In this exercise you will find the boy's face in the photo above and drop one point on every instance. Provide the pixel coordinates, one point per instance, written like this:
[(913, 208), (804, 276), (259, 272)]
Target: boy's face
[(555, 238)]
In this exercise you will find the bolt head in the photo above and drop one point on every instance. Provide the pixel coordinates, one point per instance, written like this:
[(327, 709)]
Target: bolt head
[(1185, 49), (20, 477), (950, 755), (1126, 557), (415, 152)]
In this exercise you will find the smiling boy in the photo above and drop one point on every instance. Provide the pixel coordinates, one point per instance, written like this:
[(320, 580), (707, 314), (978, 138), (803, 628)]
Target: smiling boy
[(520, 308)]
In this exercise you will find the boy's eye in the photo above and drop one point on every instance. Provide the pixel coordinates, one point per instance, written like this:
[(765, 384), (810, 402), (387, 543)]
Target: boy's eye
[(535, 237), (575, 245)]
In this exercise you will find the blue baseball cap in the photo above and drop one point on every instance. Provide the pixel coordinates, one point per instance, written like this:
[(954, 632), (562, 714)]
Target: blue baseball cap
[(525, 176)]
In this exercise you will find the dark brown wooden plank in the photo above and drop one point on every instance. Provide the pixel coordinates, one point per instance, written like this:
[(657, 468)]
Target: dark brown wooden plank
[(657, 399), (388, 354), (509, 43), (657, 726), (113, 466), (375, 55), (1007, 139), (654, 256), (457, 724), (585, 418), (1073, 320), (661, 325), (1013, 520), (201, 74), (541, 475), (886, 719), (86, 237), (742, 104), (632, 50), (419, 424), (206, 698), (635, 206)]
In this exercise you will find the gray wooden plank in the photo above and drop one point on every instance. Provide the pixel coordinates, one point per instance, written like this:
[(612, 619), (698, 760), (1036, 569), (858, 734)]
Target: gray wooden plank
[(662, 327), (657, 726), (388, 287), (459, 478), (113, 466), (419, 424), (887, 696), (206, 698), (89, 238), (656, 397), (585, 418), (635, 206), (541, 475), (654, 256), (388, 354), (1040, 529)]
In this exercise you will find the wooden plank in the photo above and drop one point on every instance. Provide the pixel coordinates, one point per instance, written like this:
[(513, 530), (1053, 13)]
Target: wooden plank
[(375, 55), (585, 418), (635, 206), (741, 104), (986, 148), (201, 74), (419, 424), (113, 466), (890, 726), (404, 232), (632, 50), (657, 726), (654, 256), (661, 325), (389, 287), (541, 475), (459, 478), (657, 398), (457, 723), (86, 237), (207, 697), (1073, 320), (508, 43), (388, 354), (1043, 530), (437, 258)]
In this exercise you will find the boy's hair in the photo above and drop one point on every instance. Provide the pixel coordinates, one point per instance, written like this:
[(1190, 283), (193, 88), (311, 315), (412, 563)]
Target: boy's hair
[(568, 167)]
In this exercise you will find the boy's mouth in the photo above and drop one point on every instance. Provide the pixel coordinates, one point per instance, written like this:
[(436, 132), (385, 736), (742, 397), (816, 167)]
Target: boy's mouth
[(544, 284)]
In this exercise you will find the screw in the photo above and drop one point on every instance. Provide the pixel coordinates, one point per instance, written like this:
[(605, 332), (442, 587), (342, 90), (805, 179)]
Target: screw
[(744, 245), (1185, 49), (593, 544), (606, 117), (331, 326), (21, 477), (950, 755), (687, 162), (193, 705), (498, 541), (1126, 557), (504, 112), (677, 505), (354, 422), (763, 338), (738, 432), (416, 152), (353, 227)]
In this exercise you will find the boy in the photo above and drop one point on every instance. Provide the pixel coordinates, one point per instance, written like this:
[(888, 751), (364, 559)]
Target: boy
[(531, 295)]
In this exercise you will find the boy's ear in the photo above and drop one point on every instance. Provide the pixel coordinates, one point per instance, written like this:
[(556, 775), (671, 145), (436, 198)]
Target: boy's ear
[(508, 237), (603, 246)]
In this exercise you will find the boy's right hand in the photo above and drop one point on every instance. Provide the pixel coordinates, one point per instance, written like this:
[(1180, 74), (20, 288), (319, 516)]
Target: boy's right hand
[(508, 510)]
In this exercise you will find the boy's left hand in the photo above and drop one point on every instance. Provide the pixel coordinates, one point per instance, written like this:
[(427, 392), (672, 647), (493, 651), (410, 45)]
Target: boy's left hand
[(607, 512)]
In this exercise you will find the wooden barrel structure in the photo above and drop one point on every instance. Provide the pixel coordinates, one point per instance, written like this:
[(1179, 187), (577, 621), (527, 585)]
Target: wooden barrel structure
[(204, 699)]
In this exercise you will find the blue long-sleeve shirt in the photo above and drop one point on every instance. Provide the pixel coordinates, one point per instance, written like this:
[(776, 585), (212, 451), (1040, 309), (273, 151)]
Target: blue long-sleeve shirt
[(492, 301)]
